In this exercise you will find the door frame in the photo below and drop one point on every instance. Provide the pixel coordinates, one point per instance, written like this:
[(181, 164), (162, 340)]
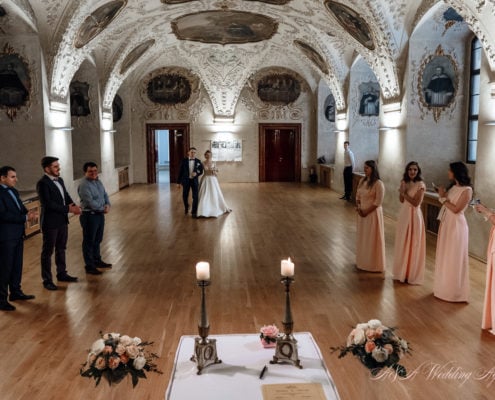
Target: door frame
[(297, 148), (152, 152)]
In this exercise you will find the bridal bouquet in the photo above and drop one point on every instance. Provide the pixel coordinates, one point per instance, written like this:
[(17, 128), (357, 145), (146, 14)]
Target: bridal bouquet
[(113, 356), (376, 346)]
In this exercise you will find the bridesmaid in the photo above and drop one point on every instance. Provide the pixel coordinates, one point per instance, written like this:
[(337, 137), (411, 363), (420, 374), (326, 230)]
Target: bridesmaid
[(488, 321), (452, 262), (370, 246), (410, 236)]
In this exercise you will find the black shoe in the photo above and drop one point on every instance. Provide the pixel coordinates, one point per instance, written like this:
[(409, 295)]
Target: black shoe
[(195, 215), (6, 306), (92, 271), (20, 296), (66, 278), (103, 264), (186, 212), (49, 286)]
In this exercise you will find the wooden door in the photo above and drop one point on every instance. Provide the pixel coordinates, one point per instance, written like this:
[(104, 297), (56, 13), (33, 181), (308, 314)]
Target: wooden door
[(178, 139), (280, 154)]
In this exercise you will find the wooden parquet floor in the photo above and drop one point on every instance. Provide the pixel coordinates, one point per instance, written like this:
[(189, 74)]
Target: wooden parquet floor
[(151, 293)]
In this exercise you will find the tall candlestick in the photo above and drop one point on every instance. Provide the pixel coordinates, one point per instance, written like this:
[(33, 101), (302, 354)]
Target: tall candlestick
[(287, 267), (203, 271)]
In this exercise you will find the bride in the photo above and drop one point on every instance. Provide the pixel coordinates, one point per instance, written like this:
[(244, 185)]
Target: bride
[(211, 201)]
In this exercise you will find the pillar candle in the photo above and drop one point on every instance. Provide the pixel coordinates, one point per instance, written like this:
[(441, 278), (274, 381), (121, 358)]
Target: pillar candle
[(287, 267), (203, 271)]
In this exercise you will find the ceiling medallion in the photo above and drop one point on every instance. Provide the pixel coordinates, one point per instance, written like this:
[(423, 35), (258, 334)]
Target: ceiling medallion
[(352, 22), (97, 21), (224, 27)]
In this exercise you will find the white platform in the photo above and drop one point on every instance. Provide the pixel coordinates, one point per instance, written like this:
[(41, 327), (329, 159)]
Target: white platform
[(237, 377)]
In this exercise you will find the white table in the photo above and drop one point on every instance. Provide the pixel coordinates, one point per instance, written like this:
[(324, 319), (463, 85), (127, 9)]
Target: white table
[(237, 377)]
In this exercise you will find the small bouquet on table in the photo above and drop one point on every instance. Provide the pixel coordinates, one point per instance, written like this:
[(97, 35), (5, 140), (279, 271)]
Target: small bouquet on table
[(269, 335)]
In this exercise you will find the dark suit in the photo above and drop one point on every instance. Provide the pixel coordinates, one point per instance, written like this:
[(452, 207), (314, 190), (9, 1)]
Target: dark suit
[(54, 221), (12, 223), (190, 183)]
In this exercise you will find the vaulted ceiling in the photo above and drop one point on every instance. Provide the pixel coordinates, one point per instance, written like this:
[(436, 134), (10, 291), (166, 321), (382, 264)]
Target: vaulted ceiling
[(71, 31)]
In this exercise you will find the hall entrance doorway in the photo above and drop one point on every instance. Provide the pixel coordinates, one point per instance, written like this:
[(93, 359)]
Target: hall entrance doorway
[(177, 146)]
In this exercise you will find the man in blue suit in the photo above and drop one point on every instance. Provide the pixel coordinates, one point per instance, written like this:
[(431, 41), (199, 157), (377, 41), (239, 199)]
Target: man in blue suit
[(13, 217), (56, 203), (189, 171)]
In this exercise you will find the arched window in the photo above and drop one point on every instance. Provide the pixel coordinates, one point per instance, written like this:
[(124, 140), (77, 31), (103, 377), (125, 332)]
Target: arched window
[(474, 101)]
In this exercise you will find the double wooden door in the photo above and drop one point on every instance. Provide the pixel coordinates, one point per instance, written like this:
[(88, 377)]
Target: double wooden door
[(178, 140), (280, 152)]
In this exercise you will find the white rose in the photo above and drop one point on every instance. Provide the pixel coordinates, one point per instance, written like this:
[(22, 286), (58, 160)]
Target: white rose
[(125, 340), (136, 340), (359, 336), (379, 354), (132, 351), (139, 362), (374, 323), (362, 326), (98, 346)]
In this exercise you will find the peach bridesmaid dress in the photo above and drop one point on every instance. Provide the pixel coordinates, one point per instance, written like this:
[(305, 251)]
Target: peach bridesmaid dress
[(451, 261), (370, 246), (488, 321), (410, 240)]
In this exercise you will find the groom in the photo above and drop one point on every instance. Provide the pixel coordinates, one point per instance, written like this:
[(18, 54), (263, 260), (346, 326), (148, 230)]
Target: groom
[(189, 171)]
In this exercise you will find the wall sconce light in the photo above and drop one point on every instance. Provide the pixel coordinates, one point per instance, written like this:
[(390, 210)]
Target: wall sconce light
[(489, 123), (222, 119), (392, 107), (338, 131), (110, 130), (64, 128), (106, 115), (385, 128)]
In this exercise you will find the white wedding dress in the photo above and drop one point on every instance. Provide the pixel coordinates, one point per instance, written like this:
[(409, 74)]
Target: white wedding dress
[(211, 201)]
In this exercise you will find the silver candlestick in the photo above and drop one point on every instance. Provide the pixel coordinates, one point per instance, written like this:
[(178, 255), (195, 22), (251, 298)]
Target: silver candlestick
[(286, 350), (205, 350)]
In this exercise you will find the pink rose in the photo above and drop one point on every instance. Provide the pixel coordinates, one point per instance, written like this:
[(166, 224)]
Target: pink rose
[(113, 362), (389, 348), (124, 358), (100, 363), (120, 349), (379, 332), (108, 350), (269, 331), (369, 346), (370, 333)]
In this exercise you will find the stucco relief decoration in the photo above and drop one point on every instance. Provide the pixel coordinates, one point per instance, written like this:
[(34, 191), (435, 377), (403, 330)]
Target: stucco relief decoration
[(171, 93), (313, 55), (224, 27), (135, 54), (273, 110), (15, 81), (438, 81), (176, 1), (278, 89), (352, 22), (274, 2), (97, 21)]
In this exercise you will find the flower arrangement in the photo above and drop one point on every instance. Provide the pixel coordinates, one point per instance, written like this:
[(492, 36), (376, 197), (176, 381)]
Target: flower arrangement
[(268, 335), (376, 346), (113, 356)]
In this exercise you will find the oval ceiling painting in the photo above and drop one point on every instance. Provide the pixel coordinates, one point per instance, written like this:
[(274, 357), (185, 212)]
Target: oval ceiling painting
[(97, 21), (352, 22), (224, 27), (134, 55), (313, 55)]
